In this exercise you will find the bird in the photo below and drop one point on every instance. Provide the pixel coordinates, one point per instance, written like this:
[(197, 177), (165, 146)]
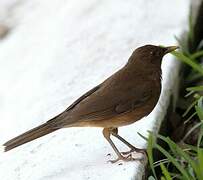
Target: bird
[(125, 97)]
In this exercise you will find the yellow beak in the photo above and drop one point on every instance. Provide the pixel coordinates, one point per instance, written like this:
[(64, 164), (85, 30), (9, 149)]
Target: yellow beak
[(170, 49)]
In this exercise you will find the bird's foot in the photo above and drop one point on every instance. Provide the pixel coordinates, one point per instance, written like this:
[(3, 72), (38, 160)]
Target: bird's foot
[(143, 151), (124, 158)]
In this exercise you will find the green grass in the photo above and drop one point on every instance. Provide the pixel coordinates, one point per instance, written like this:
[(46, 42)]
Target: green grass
[(183, 161), (186, 163), (187, 60)]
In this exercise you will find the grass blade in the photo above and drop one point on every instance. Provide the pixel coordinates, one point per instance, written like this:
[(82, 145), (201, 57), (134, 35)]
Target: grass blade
[(188, 61), (165, 172), (199, 112), (196, 88), (178, 152), (175, 163), (150, 153), (191, 130), (197, 54), (189, 108)]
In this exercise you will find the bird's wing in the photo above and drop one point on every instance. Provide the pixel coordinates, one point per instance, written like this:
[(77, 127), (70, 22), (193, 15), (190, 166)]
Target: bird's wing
[(100, 103), (114, 110), (82, 97)]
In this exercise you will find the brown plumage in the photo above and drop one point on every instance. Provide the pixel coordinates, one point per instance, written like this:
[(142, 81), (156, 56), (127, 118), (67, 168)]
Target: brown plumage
[(125, 97)]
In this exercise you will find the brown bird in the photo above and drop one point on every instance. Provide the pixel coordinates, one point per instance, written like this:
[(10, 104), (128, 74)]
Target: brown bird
[(122, 99)]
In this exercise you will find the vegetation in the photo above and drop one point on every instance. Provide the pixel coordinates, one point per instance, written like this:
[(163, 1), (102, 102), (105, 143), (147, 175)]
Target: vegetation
[(183, 160)]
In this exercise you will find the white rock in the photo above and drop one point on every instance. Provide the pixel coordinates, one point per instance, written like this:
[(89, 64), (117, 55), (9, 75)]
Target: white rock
[(2, 149)]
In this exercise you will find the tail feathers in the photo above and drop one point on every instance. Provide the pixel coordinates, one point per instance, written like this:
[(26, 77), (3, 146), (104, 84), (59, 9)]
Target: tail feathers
[(30, 135)]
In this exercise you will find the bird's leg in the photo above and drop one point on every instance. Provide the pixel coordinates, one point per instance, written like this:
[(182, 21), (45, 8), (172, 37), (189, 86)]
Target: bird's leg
[(107, 134), (114, 132)]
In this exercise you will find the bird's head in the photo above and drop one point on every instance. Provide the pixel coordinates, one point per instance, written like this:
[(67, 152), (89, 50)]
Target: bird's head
[(150, 55)]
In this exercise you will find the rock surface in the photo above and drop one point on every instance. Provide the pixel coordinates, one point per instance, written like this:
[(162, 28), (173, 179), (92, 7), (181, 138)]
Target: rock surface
[(57, 51)]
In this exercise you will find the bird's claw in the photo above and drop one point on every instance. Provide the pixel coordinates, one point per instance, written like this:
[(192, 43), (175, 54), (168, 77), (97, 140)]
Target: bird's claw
[(123, 158), (143, 151)]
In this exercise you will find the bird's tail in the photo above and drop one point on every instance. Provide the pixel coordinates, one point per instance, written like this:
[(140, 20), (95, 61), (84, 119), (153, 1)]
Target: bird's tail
[(32, 134)]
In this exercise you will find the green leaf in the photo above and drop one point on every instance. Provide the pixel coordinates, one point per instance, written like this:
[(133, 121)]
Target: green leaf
[(175, 163), (188, 61), (189, 108), (184, 155), (200, 102), (193, 77), (199, 112), (191, 130), (191, 26), (190, 147), (151, 142), (188, 94), (190, 117), (163, 178), (178, 152), (200, 161), (196, 88), (197, 54), (165, 172), (200, 151)]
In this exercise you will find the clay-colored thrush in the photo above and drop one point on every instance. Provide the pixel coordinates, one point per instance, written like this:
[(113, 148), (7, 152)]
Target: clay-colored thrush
[(125, 97)]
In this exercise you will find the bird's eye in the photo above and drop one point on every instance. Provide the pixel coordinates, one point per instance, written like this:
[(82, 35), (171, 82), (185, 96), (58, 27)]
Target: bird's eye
[(155, 53), (152, 53)]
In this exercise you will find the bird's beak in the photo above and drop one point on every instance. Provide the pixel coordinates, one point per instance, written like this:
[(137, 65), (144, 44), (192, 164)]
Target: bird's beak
[(170, 49)]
